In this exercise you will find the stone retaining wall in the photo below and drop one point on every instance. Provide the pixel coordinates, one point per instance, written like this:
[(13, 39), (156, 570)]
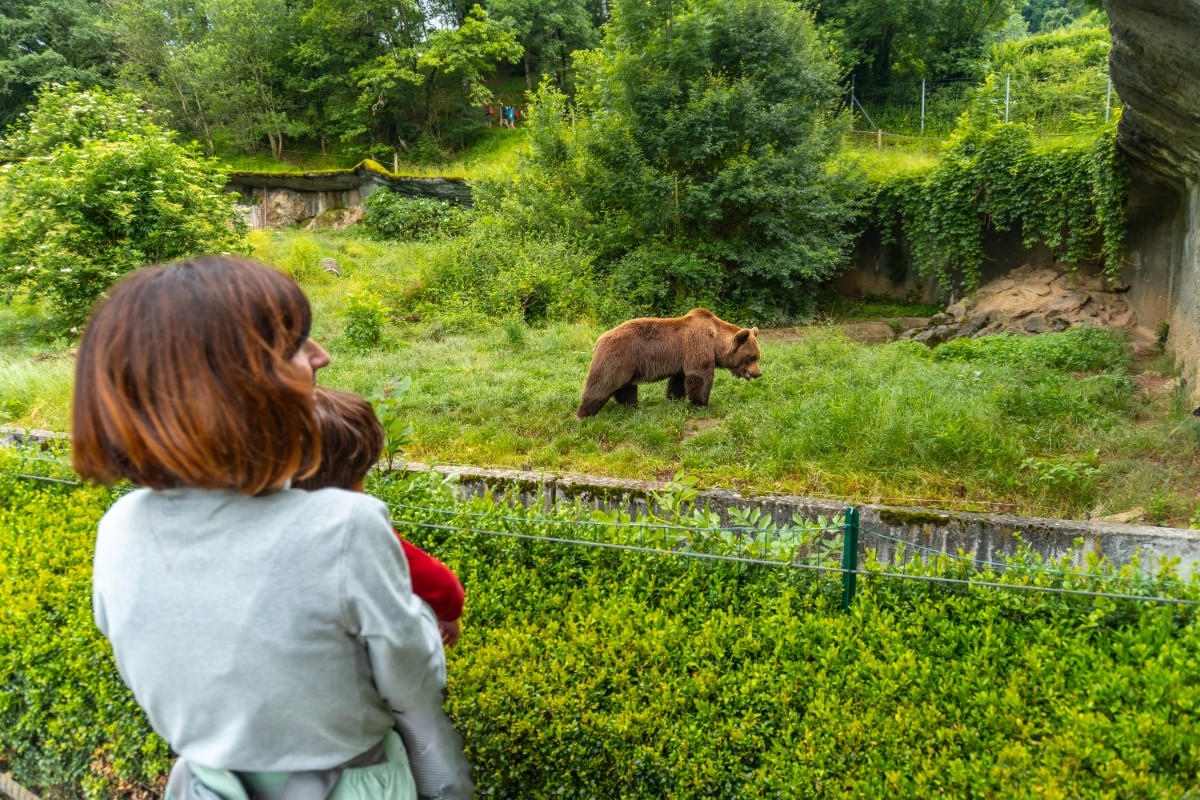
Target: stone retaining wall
[(986, 537)]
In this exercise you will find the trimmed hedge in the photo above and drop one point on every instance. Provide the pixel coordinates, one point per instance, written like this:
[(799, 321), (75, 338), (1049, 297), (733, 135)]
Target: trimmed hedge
[(587, 672)]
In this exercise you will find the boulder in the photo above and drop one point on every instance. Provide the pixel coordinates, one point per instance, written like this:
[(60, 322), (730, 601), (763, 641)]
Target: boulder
[(1029, 301)]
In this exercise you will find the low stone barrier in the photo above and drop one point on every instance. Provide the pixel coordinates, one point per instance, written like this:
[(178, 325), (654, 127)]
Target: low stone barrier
[(884, 529)]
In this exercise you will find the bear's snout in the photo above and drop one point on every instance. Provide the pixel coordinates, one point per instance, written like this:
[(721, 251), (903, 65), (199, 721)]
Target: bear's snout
[(749, 373)]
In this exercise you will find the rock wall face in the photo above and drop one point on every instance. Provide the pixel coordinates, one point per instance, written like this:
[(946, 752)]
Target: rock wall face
[(1155, 68), (1154, 65)]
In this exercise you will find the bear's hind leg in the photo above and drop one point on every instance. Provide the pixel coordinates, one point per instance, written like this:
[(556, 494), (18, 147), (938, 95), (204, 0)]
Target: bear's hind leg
[(698, 388), (675, 387), (627, 395)]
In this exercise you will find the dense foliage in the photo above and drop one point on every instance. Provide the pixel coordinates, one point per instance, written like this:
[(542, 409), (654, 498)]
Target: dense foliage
[(1060, 77), (100, 189), (1070, 198), (394, 216), (882, 40), (245, 72), (602, 673), (696, 166), (50, 41)]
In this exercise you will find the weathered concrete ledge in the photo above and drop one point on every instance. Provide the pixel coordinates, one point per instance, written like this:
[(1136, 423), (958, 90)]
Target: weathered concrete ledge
[(986, 537)]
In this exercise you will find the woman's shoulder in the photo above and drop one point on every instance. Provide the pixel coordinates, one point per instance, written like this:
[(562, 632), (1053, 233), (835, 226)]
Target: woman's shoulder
[(321, 509), (340, 508)]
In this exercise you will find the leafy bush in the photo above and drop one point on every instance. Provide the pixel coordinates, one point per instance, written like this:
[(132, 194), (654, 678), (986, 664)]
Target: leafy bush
[(102, 190), (588, 672), (484, 277), (66, 719), (365, 316), (394, 216), (1086, 348), (1069, 198), (701, 149)]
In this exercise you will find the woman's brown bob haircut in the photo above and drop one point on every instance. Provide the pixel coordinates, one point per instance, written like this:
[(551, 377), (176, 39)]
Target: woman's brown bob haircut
[(184, 378), (351, 441)]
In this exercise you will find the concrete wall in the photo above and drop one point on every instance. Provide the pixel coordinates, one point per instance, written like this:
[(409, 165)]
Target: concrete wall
[(987, 537)]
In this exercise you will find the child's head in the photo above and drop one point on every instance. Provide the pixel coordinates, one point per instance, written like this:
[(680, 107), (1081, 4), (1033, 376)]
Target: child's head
[(351, 441), (198, 374)]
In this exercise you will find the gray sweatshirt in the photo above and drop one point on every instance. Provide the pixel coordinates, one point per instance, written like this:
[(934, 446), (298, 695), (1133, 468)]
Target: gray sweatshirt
[(271, 633)]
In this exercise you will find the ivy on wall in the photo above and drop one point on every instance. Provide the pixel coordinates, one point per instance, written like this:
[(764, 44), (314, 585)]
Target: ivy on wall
[(1067, 197)]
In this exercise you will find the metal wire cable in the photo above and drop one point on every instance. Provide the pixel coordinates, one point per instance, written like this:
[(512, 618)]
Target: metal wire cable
[(812, 567), (1003, 566), (741, 559), (616, 546)]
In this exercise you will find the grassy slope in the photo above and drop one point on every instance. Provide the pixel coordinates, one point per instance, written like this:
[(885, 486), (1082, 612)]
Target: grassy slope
[(830, 417), (495, 152)]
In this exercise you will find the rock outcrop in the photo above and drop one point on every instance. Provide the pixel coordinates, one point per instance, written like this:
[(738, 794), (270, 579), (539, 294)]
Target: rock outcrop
[(1033, 300), (1154, 65)]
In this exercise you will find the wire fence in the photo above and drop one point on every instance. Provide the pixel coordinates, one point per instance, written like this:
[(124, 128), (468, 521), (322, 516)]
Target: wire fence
[(931, 109), (835, 546)]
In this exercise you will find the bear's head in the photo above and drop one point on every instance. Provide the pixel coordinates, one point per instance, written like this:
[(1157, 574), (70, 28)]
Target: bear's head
[(742, 361)]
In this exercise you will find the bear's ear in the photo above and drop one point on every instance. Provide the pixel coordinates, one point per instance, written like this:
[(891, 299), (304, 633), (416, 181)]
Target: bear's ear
[(740, 338), (754, 331)]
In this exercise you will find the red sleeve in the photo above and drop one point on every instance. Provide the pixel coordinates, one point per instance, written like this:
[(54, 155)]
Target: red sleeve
[(433, 582)]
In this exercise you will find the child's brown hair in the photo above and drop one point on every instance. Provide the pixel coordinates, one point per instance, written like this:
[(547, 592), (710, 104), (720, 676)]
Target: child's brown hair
[(185, 378), (351, 440)]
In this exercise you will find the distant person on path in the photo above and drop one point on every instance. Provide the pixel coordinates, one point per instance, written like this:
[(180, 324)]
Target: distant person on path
[(490, 114), (510, 116), (268, 633), (351, 444)]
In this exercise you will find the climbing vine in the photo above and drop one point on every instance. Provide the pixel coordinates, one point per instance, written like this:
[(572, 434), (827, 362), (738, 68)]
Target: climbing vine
[(1069, 197)]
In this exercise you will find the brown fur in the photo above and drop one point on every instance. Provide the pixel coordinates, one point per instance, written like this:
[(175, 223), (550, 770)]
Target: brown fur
[(684, 351)]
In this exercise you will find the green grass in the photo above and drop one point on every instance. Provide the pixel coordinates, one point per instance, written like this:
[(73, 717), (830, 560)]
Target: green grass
[(492, 155), (985, 430), (874, 307)]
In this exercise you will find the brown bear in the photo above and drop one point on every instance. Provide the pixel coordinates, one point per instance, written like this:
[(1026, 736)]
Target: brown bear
[(684, 351)]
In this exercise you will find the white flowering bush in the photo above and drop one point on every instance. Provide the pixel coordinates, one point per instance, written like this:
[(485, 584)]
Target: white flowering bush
[(95, 188)]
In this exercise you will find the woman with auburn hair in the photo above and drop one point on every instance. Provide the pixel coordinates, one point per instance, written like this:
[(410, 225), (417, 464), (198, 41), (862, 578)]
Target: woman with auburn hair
[(269, 633)]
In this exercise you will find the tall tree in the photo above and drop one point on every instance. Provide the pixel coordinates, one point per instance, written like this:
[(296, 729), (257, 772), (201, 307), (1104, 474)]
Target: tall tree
[(939, 39), (50, 41), (411, 88), (213, 64), (703, 153), (549, 30)]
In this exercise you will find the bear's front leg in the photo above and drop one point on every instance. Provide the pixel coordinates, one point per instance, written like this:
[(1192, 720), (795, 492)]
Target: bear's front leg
[(675, 387), (627, 395), (698, 388)]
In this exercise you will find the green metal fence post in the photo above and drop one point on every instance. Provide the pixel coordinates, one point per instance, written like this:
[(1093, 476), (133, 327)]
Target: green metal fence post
[(849, 557)]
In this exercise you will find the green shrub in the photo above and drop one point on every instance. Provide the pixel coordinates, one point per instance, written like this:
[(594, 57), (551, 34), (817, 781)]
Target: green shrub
[(488, 278), (67, 721), (1086, 348), (101, 191), (587, 672), (365, 316), (394, 216)]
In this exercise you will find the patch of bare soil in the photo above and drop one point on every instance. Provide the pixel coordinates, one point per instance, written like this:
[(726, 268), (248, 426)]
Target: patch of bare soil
[(695, 426)]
